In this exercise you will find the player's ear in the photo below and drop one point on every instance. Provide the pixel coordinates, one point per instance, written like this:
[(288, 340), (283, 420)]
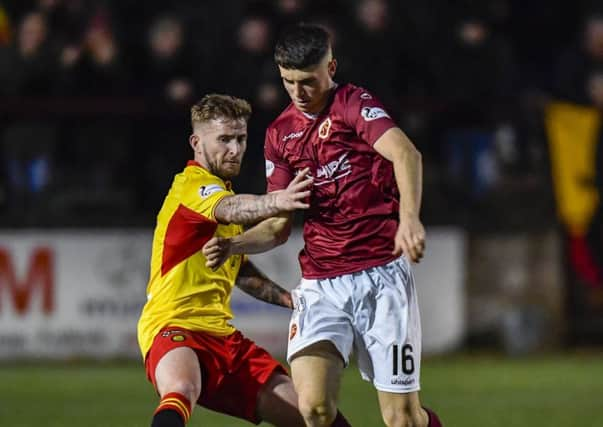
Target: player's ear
[(332, 67), (194, 140)]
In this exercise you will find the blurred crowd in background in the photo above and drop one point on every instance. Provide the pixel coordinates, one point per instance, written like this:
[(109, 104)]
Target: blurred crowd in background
[(95, 96)]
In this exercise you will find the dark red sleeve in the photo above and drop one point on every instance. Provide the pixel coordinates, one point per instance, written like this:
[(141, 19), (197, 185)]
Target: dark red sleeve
[(367, 115), (278, 172)]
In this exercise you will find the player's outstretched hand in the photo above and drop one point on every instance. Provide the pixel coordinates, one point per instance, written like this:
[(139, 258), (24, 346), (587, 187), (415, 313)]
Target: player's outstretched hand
[(216, 251), (410, 238), (296, 194)]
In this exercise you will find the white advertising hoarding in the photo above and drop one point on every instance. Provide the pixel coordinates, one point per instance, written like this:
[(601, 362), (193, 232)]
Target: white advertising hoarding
[(71, 294)]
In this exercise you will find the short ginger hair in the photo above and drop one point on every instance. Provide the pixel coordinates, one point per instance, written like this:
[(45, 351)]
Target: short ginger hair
[(216, 106)]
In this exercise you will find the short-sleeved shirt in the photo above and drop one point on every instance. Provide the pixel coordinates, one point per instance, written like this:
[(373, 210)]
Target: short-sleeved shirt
[(182, 291), (353, 215)]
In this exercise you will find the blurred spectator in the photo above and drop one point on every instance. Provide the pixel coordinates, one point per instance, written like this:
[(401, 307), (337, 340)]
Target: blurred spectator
[(578, 72), (171, 74), (476, 79), (255, 78), (290, 12), (370, 51), (168, 71), (98, 151), (67, 19), (95, 66), (476, 74), (251, 56), (28, 69)]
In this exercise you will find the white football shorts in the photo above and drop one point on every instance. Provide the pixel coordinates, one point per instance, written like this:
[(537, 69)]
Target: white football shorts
[(374, 313)]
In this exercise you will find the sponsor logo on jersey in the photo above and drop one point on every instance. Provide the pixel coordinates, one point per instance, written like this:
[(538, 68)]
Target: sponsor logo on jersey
[(269, 168), (333, 170), (208, 190), (293, 135), (373, 113), (365, 95), (324, 129)]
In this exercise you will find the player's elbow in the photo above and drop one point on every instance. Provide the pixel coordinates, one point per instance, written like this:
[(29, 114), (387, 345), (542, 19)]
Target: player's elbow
[(413, 152)]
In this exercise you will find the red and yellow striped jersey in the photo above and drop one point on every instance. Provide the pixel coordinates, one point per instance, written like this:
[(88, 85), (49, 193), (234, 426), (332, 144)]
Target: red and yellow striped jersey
[(182, 291)]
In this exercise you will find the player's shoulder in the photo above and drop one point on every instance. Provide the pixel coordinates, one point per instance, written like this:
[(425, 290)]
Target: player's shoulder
[(196, 176), (284, 124), (285, 118), (198, 189), (350, 93)]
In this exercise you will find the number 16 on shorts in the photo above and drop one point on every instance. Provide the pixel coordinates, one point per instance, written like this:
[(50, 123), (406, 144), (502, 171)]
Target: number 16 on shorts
[(403, 360)]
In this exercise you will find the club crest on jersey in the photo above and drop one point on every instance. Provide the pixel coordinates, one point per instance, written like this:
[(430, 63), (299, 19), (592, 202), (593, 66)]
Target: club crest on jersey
[(324, 129), (373, 113), (208, 190)]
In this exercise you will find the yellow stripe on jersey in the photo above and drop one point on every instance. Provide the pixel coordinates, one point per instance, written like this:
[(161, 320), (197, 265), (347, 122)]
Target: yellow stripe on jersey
[(182, 291)]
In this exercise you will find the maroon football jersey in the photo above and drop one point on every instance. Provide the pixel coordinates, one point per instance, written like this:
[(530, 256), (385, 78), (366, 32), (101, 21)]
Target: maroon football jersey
[(353, 213)]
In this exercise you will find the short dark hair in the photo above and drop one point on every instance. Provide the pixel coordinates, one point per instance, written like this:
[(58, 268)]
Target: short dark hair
[(301, 46), (216, 106)]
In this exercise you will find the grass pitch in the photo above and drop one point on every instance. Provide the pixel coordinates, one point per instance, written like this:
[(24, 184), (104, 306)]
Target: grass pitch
[(467, 391)]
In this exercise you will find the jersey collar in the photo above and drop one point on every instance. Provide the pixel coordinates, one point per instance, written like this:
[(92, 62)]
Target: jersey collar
[(194, 163), (228, 184)]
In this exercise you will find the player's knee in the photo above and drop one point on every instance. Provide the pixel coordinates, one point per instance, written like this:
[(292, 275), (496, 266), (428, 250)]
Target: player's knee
[(321, 412), (403, 417), (190, 389)]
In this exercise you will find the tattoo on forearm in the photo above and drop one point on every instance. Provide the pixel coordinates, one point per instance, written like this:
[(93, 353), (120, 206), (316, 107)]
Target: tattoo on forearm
[(255, 283), (247, 208)]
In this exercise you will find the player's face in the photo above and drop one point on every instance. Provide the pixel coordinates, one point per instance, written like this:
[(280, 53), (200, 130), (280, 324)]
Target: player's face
[(309, 88), (219, 146)]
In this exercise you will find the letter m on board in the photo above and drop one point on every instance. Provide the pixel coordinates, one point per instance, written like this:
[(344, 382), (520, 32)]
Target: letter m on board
[(39, 276)]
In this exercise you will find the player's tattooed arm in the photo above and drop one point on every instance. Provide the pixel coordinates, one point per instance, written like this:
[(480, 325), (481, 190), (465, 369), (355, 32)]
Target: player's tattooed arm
[(262, 237), (248, 209), (253, 282)]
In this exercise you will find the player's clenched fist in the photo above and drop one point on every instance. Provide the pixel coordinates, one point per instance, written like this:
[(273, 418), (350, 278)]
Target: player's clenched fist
[(410, 238), (216, 251)]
